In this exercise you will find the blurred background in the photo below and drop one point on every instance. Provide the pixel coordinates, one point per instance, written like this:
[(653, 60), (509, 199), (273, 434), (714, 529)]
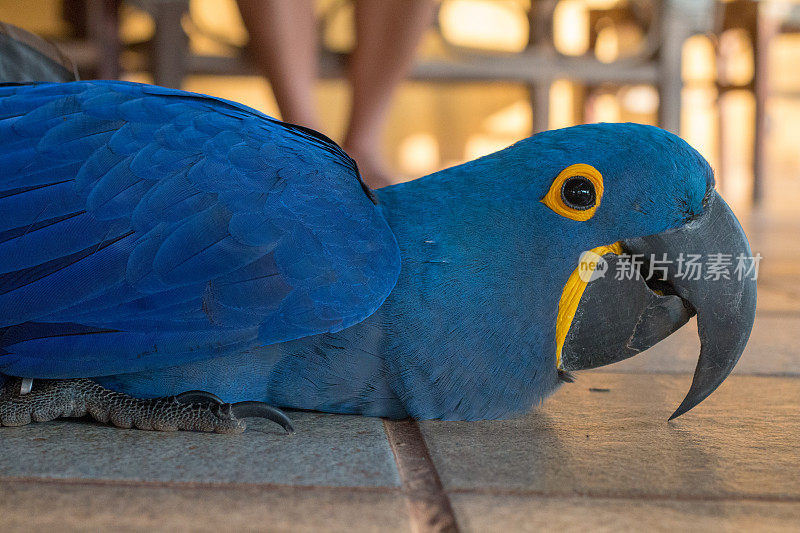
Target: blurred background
[(724, 75)]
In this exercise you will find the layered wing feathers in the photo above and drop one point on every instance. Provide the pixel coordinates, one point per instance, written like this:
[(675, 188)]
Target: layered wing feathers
[(145, 227)]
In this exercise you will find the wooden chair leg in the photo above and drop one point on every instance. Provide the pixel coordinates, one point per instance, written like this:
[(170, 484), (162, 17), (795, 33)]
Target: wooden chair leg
[(170, 47), (540, 105), (674, 33), (540, 24), (102, 24), (765, 29)]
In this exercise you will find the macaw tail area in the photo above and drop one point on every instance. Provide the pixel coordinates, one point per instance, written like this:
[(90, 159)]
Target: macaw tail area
[(427, 356)]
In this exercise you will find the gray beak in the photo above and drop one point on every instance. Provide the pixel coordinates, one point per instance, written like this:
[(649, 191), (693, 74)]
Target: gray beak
[(618, 318)]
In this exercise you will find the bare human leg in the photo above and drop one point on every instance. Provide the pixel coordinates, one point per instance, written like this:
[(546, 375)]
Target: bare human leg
[(387, 36), (283, 42)]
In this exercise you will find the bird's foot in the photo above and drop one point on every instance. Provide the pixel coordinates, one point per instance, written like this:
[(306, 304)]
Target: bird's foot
[(190, 411)]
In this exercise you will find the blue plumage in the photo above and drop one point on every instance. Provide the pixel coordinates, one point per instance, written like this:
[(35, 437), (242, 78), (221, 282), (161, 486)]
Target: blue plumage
[(144, 227), (159, 241)]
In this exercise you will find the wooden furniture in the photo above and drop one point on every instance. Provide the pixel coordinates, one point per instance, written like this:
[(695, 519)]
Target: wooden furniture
[(658, 63)]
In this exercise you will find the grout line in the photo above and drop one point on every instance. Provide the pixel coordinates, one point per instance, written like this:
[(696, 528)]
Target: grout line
[(790, 374), (428, 505), (135, 483), (628, 496), (778, 313), (482, 491)]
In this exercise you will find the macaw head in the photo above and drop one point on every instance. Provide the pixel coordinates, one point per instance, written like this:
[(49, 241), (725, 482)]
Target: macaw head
[(664, 246)]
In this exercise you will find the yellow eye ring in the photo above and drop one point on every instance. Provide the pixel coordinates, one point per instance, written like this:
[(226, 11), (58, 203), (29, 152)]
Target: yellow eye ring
[(554, 199)]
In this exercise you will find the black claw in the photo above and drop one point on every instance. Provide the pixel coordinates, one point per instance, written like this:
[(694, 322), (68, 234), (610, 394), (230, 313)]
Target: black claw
[(262, 410), (565, 376), (199, 396)]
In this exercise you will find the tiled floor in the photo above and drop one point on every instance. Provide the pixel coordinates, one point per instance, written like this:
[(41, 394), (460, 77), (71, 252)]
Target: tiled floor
[(599, 455), (326, 450), (606, 436), (86, 506)]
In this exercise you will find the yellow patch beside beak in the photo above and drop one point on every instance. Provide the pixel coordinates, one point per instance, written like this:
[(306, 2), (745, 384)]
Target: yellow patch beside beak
[(573, 290)]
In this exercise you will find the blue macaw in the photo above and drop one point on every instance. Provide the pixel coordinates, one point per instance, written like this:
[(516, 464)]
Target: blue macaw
[(155, 241)]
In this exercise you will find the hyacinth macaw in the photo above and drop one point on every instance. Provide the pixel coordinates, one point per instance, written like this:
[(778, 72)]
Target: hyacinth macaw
[(155, 241)]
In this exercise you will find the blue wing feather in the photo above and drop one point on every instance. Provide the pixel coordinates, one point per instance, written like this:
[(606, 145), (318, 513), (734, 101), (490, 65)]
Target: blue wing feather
[(146, 227)]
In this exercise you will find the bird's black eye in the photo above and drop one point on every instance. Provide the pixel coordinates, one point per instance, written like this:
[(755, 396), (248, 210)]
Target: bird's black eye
[(578, 193)]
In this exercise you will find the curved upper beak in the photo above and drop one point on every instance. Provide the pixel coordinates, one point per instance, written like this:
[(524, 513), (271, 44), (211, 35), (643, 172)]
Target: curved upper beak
[(703, 267)]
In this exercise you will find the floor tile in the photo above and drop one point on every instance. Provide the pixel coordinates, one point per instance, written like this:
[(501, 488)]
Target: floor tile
[(772, 349), (325, 450), (37, 506), (777, 296), (775, 241), (784, 268), (607, 434), (480, 512)]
